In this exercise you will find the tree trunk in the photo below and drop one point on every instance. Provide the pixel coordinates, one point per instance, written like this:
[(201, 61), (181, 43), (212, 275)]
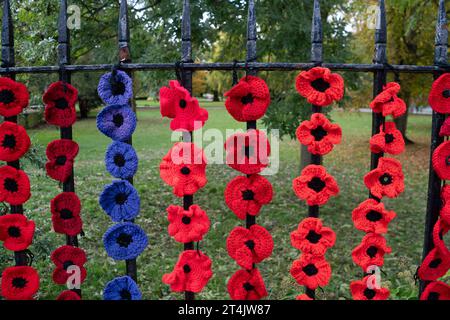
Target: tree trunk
[(216, 95), (84, 108)]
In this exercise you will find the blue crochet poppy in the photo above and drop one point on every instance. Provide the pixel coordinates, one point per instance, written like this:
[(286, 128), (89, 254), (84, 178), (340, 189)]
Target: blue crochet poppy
[(120, 201), (121, 160), (115, 87), (117, 122), (122, 288), (124, 241)]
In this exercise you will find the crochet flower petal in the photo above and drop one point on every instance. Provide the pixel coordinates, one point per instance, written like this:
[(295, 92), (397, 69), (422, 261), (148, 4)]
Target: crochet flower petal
[(386, 180), (187, 225), (120, 201), (441, 160), (19, 283), (14, 186), (311, 271), (122, 288), (59, 99), (371, 251), (16, 232), (361, 291), (65, 209), (115, 88), (371, 216), (121, 160), (436, 290), (117, 122), (14, 141), (125, 241), (14, 97), (247, 285), (439, 98), (312, 237)]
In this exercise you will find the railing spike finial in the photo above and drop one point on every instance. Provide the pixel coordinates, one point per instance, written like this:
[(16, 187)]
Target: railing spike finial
[(316, 34), (441, 41), (124, 33), (7, 36)]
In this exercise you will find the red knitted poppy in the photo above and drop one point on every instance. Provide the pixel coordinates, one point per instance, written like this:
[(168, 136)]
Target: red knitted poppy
[(445, 210), (14, 97), (371, 251), (319, 86), (59, 100), (248, 100), (61, 155), (249, 246), (439, 98), (388, 103), (247, 285), (312, 237), (389, 140), (246, 195), (191, 273), (63, 258), (68, 295), (65, 209), (304, 297), (361, 291), (19, 283), (445, 128), (386, 179), (14, 186), (371, 216), (311, 271), (441, 160), (16, 231), (14, 141), (187, 225), (248, 152), (319, 134), (436, 290), (315, 185), (440, 229), (176, 103), (183, 168), (434, 266)]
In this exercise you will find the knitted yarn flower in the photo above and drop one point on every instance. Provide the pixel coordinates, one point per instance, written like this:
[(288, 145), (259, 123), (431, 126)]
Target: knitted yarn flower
[(441, 160), (445, 128), (371, 251), (65, 257), (117, 122), (361, 291), (248, 100), (311, 271), (61, 156), (122, 288), (16, 232), (312, 237), (319, 86), (319, 134), (246, 285), (115, 87), (187, 225), (176, 103), (436, 290), (439, 98), (121, 160), (440, 229), (19, 283), (371, 216), (120, 201), (14, 97), (386, 180), (388, 103), (65, 209), (184, 168), (68, 295), (191, 273), (125, 241), (14, 141), (59, 100), (445, 209), (248, 152), (246, 195), (389, 140), (434, 266), (303, 297), (315, 185), (249, 246), (14, 186)]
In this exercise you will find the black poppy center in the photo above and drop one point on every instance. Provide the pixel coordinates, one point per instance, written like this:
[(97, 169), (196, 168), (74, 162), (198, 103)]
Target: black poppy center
[(19, 282), (61, 104), (186, 268), (125, 294), (119, 160), (6, 96), (14, 232), (185, 170), (446, 93), (374, 216), (447, 161), (389, 138), (385, 179), (118, 120), (248, 286), (435, 263), (310, 270), (250, 244), (320, 85), (124, 240), (61, 160), (186, 220), (372, 251), (313, 236), (248, 195), (121, 198), (433, 296), (182, 104), (67, 264), (9, 141), (319, 133), (369, 293), (316, 184), (247, 99), (66, 214), (11, 185), (117, 88)]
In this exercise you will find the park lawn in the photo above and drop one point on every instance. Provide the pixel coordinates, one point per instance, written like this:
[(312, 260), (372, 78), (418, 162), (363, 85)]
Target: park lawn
[(348, 163)]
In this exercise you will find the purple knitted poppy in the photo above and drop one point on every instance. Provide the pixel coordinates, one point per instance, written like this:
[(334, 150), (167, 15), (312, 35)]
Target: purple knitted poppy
[(117, 122), (116, 89)]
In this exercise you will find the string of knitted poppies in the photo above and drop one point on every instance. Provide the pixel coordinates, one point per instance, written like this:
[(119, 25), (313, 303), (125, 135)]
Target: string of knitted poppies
[(386, 180), (315, 185), (248, 153), (20, 282), (184, 169), (60, 99), (437, 263), (125, 240)]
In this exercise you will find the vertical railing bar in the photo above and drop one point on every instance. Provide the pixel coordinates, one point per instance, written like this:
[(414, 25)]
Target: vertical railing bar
[(434, 182)]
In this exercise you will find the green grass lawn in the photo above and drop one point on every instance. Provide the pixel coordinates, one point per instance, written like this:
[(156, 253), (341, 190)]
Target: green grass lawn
[(348, 163)]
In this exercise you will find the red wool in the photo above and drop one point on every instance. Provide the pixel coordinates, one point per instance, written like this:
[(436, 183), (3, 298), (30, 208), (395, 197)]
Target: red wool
[(445, 211), (68, 295), (14, 141), (63, 258), (441, 160), (361, 291), (14, 186), (439, 98), (436, 290), (16, 232), (386, 179), (434, 266), (61, 155), (303, 296), (445, 128), (440, 229), (19, 283), (371, 216), (371, 251), (187, 225), (65, 209), (390, 140), (59, 100), (247, 285), (14, 97), (311, 271), (312, 237), (388, 103)]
